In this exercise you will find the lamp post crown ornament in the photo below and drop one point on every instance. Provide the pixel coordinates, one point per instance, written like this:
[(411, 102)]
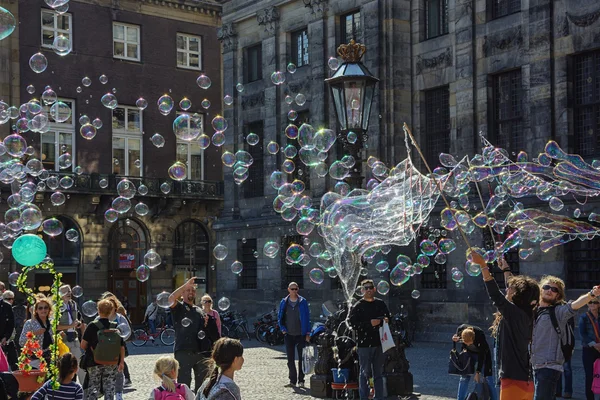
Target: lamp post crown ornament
[(351, 52)]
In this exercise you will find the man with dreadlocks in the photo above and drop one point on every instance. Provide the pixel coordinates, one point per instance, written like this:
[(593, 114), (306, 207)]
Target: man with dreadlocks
[(513, 330)]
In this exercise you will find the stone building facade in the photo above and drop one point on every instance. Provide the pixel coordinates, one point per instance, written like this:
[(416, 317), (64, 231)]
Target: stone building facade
[(521, 72), (146, 49)]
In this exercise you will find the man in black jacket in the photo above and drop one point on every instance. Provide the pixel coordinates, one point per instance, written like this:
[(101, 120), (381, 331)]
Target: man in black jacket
[(367, 315), (7, 319)]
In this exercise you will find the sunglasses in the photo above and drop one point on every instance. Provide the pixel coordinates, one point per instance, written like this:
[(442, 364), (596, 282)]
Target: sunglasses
[(207, 301), (552, 288), (368, 287), (294, 288), (43, 308), (9, 298), (594, 302)]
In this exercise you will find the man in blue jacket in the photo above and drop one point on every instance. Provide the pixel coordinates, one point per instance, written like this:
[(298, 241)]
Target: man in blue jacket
[(294, 321)]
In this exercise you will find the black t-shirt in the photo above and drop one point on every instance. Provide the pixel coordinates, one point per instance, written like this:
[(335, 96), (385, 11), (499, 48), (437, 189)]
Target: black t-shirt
[(186, 337), (360, 318), (91, 333)]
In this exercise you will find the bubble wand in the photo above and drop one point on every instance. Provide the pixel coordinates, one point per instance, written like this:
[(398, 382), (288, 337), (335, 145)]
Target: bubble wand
[(437, 183)]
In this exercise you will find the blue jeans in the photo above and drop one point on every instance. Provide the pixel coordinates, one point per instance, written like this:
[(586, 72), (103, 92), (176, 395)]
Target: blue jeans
[(294, 343), (545, 380), (152, 325), (463, 387), (371, 361), (568, 375)]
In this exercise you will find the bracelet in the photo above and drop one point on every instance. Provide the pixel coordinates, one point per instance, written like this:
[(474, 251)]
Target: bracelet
[(505, 270)]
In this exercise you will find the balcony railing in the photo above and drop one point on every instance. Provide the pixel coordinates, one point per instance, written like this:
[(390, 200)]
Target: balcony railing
[(187, 189)]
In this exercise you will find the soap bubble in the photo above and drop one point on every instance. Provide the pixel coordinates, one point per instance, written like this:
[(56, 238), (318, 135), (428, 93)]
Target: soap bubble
[(383, 287), (61, 45), (239, 87), (223, 304), (103, 79), (142, 273), (60, 111), (333, 63), (103, 183), (8, 23), (472, 269), (398, 275), (316, 275), (88, 131), (49, 97), (428, 247), (382, 266), (252, 139), (186, 322), (165, 104), (457, 275), (295, 253), (157, 140), (109, 101), (185, 104), (77, 291), (220, 252), (86, 81), (141, 103), (15, 145), (205, 104), (203, 81), (38, 63), (291, 68), (121, 205), (446, 246), (141, 209), (187, 128), (178, 171), (13, 277), (165, 187), (415, 294), (273, 147), (162, 300), (278, 77), (152, 259), (89, 308), (126, 188), (300, 99), (201, 335), (219, 123), (218, 139), (292, 115), (271, 249), (30, 88), (52, 227), (237, 267), (124, 329), (111, 215), (72, 235), (228, 99), (556, 204)]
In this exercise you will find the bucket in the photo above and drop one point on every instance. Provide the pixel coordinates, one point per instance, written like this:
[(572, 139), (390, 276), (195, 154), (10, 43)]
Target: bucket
[(340, 375)]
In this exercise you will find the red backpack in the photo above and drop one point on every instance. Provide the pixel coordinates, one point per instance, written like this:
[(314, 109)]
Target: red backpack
[(161, 393)]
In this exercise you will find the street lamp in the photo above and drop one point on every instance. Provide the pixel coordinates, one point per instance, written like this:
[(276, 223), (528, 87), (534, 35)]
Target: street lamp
[(352, 89)]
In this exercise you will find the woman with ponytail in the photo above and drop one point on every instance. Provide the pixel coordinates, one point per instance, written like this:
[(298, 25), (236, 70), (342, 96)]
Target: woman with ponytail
[(227, 357), (166, 370)]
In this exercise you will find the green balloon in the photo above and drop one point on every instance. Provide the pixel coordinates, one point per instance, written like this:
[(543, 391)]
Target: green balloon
[(29, 250)]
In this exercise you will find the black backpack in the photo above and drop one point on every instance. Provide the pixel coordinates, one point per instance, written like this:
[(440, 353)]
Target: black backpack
[(568, 346)]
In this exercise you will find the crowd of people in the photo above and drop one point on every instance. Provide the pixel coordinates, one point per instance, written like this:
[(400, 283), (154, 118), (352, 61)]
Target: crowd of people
[(531, 354)]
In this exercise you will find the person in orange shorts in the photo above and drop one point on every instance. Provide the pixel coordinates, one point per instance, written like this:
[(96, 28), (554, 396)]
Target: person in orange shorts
[(512, 329)]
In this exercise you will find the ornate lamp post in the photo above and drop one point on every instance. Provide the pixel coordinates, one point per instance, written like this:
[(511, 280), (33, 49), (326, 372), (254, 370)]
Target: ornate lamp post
[(352, 89)]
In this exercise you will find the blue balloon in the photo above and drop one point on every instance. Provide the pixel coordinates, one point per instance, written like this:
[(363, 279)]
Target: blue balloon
[(29, 250)]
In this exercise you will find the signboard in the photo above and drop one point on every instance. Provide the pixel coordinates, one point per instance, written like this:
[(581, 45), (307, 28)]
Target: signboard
[(126, 261)]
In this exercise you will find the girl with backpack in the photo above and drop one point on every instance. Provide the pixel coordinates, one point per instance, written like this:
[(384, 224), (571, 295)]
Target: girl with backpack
[(227, 357), (68, 390), (166, 369)]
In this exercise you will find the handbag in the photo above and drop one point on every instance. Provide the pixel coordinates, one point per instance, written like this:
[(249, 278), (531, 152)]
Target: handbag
[(3, 362), (387, 341), (308, 359), (460, 363), (483, 390)]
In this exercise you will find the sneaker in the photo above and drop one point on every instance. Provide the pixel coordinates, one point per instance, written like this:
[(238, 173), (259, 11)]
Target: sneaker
[(289, 385), (301, 383), (127, 383), (119, 396)]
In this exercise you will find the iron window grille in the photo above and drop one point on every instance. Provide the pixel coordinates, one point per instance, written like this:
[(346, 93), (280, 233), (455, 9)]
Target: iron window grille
[(507, 127), (293, 272), (436, 18), (351, 27), (500, 8), (300, 47), (255, 184), (248, 278), (437, 124), (587, 104), (253, 63)]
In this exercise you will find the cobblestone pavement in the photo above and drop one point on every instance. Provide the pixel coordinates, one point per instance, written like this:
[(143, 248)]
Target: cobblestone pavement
[(265, 372)]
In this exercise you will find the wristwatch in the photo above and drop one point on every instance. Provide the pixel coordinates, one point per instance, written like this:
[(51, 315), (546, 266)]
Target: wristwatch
[(591, 293)]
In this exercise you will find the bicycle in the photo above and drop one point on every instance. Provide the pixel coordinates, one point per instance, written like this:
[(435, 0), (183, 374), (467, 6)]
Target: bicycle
[(164, 332), (234, 325)]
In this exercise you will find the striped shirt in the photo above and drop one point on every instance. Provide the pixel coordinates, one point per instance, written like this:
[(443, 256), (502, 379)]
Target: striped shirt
[(68, 391)]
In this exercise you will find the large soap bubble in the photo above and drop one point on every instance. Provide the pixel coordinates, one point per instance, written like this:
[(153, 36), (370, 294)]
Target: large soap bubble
[(162, 300), (29, 250), (7, 23)]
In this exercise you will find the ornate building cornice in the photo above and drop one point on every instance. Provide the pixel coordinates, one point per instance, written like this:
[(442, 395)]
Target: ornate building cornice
[(503, 41), (210, 8), (584, 20), (226, 35), (268, 17), (253, 100), (443, 59), (316, 5)]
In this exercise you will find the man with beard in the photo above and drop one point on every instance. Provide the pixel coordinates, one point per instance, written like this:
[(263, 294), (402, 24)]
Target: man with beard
[(547, 357), (188, 321)]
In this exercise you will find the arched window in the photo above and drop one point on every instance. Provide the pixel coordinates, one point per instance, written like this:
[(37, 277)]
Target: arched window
[(128, 245), (191, 251)]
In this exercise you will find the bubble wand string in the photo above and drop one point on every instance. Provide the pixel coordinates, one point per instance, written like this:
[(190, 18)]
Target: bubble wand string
[(437, 183)]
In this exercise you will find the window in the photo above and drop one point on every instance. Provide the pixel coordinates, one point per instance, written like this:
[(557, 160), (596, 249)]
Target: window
[(301, 172), (188, 51), (126, 41), (253, 68), (255, 184), (290, 272), (53, 25), (501, 8), (436, 18), (191, 250), (587, 104), (437, 124), (59, 139), (582, 258), (127, 141), (248, 279), (351, 27), (300, 48), (507, 118), (192, 155)]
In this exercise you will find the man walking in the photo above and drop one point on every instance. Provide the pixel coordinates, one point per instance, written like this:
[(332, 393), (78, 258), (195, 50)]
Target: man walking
[(69, 323), (367, 315), (150, 316), (294, 321), (547, 357), (188, 321)]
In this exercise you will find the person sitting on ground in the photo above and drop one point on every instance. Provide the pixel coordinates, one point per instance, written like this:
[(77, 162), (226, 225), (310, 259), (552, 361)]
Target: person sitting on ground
[(166, 370), (227, 357), (68, 390)]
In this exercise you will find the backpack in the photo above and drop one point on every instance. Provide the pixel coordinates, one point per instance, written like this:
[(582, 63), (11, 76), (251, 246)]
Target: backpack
[(567, 346), (108, 349), (161, 394)]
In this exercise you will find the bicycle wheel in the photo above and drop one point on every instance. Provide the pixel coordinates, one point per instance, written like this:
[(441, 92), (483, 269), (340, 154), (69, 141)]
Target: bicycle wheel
[(167, 336), (261, 333), (139, 337), (241, 332), (224, 331)]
